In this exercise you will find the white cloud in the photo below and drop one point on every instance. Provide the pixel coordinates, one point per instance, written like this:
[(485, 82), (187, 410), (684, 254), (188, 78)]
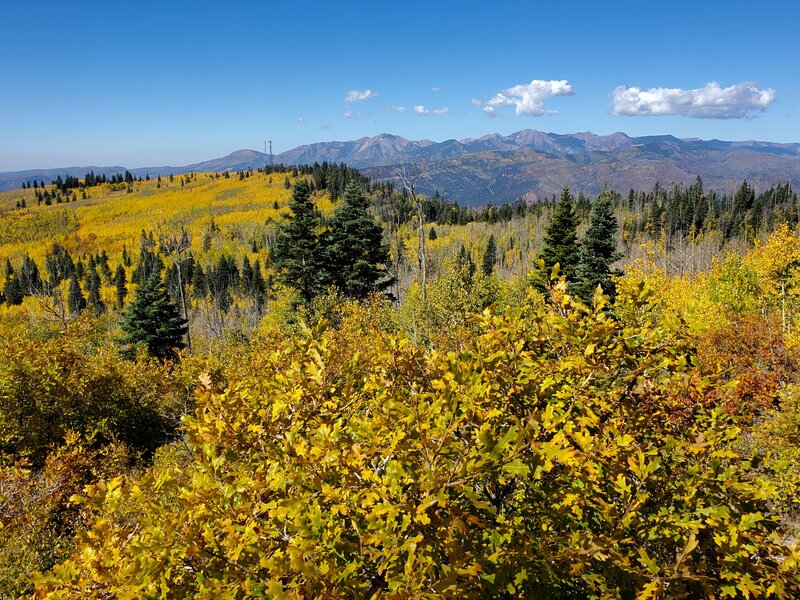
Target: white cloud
[(528, 98), (301, 120), (359, 95), (475, 102), (435, 89), (708, 102), (424, 110), (351, 114), (396, 109)]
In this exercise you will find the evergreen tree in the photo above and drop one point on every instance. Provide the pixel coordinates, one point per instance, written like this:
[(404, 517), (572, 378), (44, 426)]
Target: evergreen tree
[(29, 279), (356, 254), (95, 302), (598, 251), (120, 282), (258, 287), (152, 319), (465, 266), (489, 256), (296, 251), (75, 300), (12, 291), (561, 238), (199, 283), (149, 260)]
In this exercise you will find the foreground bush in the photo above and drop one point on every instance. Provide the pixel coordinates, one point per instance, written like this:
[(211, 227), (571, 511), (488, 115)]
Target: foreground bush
[(562, 454)]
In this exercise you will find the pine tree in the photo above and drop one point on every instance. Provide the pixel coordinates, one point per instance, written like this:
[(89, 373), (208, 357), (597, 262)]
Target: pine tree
[(12, 291), (561, 238), (489, 256), (149, 260), (120, 282), (598, 251), (296, 252), (153, 320), (95, 302), (355, 251), (75, 300), (464, 259), (258, 287), (199, 283)]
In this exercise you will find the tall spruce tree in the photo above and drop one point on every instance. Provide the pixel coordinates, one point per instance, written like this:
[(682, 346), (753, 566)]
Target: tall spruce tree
[(152, 319), (75, 299), (354, 248), (561, 238), (12, 291), (489, 256), (120, 283), (296, 252), (598, 251), (95, 302)]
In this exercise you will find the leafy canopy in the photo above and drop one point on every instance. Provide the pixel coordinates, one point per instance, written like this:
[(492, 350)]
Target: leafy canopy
[(559, 453)]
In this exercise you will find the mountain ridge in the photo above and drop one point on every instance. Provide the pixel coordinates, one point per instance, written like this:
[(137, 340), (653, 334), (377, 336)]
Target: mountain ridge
[(528, 163)]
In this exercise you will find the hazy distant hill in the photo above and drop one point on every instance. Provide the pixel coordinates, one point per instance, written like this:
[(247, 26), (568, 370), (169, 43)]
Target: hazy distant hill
[(497, 168)]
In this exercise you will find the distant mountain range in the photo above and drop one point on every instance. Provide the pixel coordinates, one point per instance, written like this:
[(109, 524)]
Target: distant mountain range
[(531, 164)]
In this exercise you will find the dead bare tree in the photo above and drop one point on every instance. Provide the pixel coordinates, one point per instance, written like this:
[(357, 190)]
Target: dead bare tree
[(51, 302), (409, 175), (175, 241)]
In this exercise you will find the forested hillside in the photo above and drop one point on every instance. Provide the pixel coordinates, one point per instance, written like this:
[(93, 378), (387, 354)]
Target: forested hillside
[(296, 382)]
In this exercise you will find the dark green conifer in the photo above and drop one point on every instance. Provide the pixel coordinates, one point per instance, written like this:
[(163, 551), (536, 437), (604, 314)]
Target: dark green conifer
[(12, 291), (561, 238), (95, 302), (75, 299), (120, 283), (489, 256), (356, 254), (199, 283), (598, 251), (258, 287), (296, 252), (153, 320)]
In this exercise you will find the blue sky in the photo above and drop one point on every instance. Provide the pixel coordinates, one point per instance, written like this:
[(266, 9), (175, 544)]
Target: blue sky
[(155, 83)]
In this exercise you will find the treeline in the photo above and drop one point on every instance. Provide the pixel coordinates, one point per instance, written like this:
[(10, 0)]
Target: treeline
[(330, 177), (677, 210), (70, 182)]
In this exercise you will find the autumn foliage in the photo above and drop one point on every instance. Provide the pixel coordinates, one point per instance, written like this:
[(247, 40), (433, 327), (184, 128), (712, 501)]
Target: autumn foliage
[(540, 461)]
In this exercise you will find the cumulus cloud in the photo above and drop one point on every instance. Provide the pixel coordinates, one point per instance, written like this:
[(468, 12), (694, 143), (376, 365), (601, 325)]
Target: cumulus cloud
[(475, 102), (396, 109), (351, 114), (708, 102), (301, 120), (359, 95), (424, 110), (436, 88), (528, 98)]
